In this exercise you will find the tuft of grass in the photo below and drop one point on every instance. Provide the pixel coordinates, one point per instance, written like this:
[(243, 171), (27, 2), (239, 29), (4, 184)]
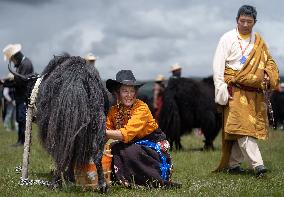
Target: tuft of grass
[(192, 168)]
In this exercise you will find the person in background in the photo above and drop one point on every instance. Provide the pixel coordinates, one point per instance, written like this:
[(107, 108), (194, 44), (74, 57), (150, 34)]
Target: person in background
[(176, 75), (281, 87), (176, 71), (90, 59), (243, 70), (159, 88), (9, 102), (24, 66), (141, 152)]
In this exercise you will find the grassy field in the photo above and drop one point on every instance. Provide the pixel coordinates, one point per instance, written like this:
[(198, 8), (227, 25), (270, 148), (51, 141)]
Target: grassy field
[(192, 168)]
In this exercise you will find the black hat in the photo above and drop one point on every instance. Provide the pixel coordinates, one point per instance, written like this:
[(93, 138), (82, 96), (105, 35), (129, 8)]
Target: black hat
[(123, 77)]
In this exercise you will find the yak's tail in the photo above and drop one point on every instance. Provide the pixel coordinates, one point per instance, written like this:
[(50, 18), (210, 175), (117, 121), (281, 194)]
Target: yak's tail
[(169, 120), (70, 112)]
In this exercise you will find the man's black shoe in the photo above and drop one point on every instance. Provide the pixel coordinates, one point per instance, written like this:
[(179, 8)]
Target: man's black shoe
[(260, 170), (236, 170)]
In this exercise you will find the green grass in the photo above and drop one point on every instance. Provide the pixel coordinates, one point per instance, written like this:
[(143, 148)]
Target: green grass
[(192, 169)]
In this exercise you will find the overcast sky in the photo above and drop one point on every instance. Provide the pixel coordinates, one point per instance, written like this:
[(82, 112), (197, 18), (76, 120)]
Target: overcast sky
[(147, 36)]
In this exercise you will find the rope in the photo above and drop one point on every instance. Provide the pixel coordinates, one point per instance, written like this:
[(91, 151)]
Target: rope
[(35, 92), (30, 182)]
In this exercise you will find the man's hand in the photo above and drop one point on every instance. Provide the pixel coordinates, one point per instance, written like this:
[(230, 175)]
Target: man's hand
[(266, 77), (265, 81), (230, 91)]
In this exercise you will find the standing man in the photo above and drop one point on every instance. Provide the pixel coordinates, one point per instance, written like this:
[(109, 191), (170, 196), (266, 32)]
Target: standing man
[(176, 74), (90, 59), (9, 102), (23, 65), (176, 71), (243, 71), (158, 90)]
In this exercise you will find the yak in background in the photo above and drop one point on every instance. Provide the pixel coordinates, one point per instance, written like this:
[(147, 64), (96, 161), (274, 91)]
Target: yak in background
[(189, 104), (71, 108), (277, 102)]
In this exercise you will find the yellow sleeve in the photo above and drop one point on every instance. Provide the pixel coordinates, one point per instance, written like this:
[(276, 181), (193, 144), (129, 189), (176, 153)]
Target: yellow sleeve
[(273, 72), (109, 120), (136, 123)]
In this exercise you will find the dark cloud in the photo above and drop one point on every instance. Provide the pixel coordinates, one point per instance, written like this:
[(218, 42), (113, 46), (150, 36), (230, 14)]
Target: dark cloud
[(146, 36), (29, 2), (107, 46)]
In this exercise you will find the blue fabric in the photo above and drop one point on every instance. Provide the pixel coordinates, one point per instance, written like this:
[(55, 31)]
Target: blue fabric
[(164, 166)]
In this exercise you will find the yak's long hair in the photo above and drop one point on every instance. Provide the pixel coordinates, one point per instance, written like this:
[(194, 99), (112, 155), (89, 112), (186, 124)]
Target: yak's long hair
[(70, 111), (189, 104)]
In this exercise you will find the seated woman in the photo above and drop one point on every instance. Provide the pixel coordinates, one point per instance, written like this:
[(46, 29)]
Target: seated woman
[(140, 154)]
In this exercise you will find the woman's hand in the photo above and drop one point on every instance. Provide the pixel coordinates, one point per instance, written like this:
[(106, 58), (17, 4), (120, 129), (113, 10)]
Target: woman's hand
[(114, 134)]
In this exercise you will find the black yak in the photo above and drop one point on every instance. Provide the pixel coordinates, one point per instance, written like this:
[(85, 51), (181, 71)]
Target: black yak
[(189, 104), (277, 102), (71, 106)]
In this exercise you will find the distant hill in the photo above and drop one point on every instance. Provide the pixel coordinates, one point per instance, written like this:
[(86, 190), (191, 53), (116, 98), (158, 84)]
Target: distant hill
[(147, 88)]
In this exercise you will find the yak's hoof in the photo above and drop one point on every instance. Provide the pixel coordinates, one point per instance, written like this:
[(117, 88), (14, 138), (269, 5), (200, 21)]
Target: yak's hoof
[(208, 148), (104, 188), (69, 178), (55, 184)]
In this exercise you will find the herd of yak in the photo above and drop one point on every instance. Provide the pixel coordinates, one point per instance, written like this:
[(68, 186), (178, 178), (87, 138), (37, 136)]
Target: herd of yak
[(72, 104)]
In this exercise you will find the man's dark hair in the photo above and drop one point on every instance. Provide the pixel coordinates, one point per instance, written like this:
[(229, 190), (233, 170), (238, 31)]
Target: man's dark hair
[(247, 10)]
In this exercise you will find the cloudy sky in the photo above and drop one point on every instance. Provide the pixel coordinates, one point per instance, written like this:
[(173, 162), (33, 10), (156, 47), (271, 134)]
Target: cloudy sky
[(147, 36)]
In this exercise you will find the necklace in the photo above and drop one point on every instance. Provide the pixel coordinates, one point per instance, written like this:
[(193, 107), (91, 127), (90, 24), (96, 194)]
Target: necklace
[(243, 58), (122, 116)]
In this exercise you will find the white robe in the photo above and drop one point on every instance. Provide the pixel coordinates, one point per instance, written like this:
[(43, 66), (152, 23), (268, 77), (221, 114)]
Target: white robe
[(228, 54)]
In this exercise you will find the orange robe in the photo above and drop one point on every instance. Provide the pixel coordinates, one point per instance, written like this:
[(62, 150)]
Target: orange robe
[(137, 121)]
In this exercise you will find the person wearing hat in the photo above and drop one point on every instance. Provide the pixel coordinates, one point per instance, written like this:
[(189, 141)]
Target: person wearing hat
[(176, 70), (23, 65), (9, 102), (159, 88), (90, 59), (140, 154), (174, 79)]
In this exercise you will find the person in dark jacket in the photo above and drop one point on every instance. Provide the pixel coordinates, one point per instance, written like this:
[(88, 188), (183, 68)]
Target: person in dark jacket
[(24, 66), (176, 71), (9, 103)]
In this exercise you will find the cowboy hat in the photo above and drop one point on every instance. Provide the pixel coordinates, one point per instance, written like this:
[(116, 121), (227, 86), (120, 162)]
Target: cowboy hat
[(175, 67), (10, 50), (123, 77), (160, 78), (90, 57)]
